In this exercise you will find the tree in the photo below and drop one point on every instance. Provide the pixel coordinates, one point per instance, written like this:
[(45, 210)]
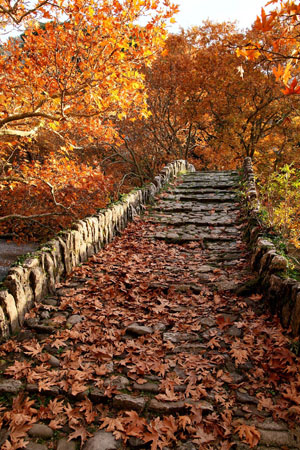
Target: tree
[(72, 76), (206, 105), (77, 74), (279, 43), (173, 128)]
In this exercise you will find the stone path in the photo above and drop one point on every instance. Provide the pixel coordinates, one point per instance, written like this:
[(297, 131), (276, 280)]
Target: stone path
[(205, 209), (159, 341)]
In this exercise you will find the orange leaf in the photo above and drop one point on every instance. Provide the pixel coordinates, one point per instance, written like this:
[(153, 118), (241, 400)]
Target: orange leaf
[(249, 434)]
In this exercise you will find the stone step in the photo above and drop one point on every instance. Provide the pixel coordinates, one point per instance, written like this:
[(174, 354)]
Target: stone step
[(209, 215), (209, 229), (213, 173), (223, 247), (202, 198), (193, 237), (171, 220), (194, 207), (201, 191), (213, 179), (203, 188)]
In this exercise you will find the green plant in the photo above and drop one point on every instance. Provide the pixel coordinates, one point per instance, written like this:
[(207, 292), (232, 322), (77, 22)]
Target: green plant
[(280, 195)]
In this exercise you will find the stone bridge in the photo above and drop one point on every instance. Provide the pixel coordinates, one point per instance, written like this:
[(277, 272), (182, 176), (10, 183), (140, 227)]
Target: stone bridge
[(164, 336)]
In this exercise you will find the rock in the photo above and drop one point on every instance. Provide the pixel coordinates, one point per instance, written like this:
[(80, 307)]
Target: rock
[(40, 430), (97, 395), (119, 382), (33, 388), (227, 285), (236, 377), (7, 302), (147, 387), (270, 425), (45, 315), (39, 327), (110, 367), (4, 434), (50, 301), (180, 337), (64, 444), (172, 407), (129, 402), (186, 446), (138, 330), (278, 263), (136, 442), (53, 361), (10, 386), (207, 321), (166, 407), (34, 446), (74, 319), (202, 404), (205, 269), (235, 331), (246, 398), (161, 327), (190, 348), (278, 438), (102, 441)]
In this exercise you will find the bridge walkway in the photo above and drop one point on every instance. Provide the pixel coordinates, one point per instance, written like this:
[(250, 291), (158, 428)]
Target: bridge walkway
[(158, 341)]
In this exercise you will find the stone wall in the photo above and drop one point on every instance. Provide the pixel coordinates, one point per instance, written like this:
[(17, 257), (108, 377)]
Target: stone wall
[(39, 273), (282, 292)]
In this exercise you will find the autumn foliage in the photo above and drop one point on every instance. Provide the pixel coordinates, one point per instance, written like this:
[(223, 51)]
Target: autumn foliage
[(279, 43), (87, 83), (70, 75), (55, 192)]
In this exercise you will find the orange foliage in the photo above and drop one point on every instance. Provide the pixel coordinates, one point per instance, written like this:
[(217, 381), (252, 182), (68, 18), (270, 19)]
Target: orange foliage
[(206, 106), (70, 77), (55, 192), (280, 43)]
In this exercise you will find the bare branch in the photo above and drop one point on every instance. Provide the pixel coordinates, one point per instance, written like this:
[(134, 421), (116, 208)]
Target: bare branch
[(34, 216)]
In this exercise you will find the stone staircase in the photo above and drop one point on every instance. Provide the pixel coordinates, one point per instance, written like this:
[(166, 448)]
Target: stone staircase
[(152, 333), (205, 208)]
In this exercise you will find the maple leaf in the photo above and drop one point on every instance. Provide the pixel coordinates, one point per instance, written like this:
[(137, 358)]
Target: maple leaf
[(294, 410), (112, 424), (292, 394), (256, 297), (56, 407), (265, 403), (217, 299), (34, 349), (221, 398), (77, 387), (79, 432), (87, 407), (249, 433), (19, 369), (184, 421), (46, 384), (294, 88), (58, 422), (155, 434), (239, 353), (223, 322), (169, 427), (101, 370), (141, 381), (202, 437), (169, 395)]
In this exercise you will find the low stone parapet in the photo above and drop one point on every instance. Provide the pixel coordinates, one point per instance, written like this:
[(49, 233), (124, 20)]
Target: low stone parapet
[(282, 292), (37, 276)]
